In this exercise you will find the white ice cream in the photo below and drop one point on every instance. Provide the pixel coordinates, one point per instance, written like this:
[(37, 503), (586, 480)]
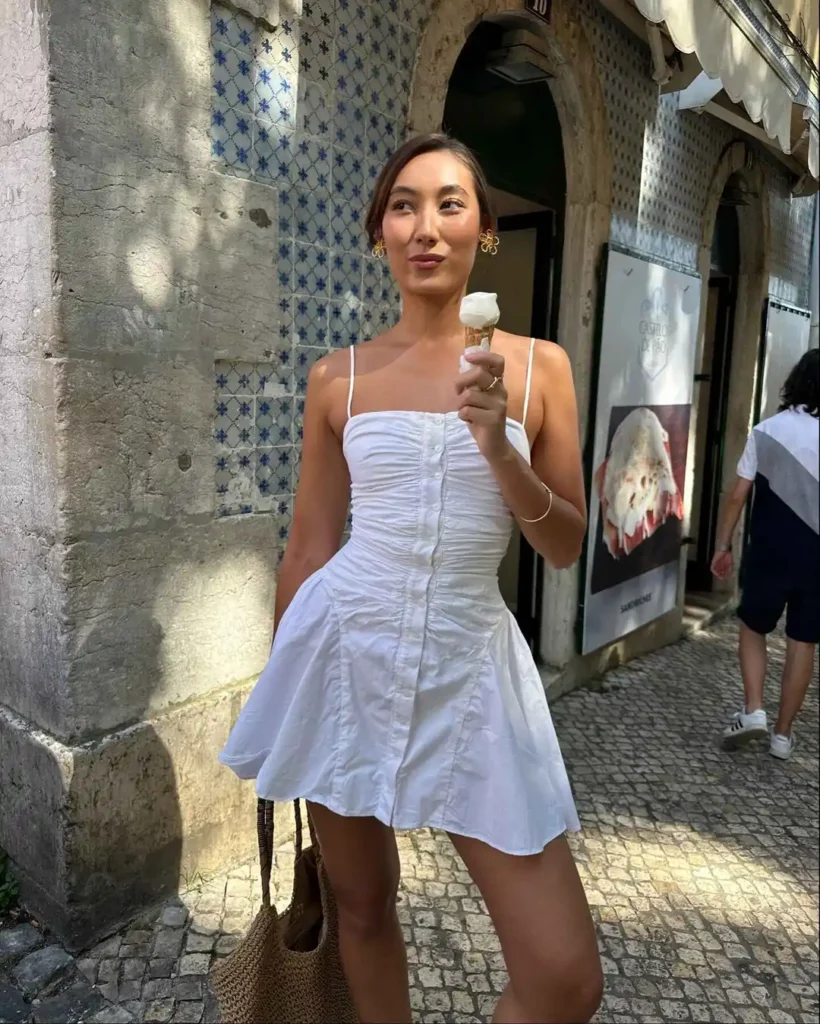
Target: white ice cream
[(479, 309)]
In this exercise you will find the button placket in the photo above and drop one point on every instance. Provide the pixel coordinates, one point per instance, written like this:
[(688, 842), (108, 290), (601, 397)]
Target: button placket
[(416, 597)]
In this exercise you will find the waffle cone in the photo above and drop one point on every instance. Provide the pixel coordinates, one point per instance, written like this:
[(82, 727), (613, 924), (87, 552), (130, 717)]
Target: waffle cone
[(479, 337)]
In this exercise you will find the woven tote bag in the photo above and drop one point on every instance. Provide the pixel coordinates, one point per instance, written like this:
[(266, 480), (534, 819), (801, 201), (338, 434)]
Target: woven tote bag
[(288, 969)]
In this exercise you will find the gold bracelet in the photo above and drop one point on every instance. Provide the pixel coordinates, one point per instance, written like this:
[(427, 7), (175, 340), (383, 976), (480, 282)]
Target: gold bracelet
[(549, 507)]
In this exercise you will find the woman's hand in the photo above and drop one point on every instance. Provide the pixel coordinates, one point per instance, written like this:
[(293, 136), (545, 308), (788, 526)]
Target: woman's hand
[(483, 403)]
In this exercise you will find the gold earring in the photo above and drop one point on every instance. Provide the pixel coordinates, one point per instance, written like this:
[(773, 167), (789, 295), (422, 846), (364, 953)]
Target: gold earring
[(489, 242), (379, 249)]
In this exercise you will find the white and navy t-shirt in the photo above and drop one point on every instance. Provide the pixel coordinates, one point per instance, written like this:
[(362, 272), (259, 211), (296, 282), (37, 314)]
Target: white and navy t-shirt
[(782, 456)]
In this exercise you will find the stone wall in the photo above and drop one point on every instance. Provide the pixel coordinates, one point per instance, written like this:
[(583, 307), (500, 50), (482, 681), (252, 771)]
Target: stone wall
[(31, 557), (132, 617)]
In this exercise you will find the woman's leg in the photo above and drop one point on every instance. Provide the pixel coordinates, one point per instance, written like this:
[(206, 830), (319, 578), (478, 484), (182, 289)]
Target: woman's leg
[(362, 863), (546, 932)]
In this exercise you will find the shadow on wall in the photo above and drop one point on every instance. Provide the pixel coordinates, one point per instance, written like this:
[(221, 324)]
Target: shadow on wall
[(124, 836), (100, 828)]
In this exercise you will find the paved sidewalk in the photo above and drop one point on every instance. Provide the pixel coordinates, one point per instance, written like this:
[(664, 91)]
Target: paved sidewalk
[(701, 868)]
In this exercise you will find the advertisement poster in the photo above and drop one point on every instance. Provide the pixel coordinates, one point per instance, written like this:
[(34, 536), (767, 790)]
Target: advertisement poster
[(788, 333), (641, 434)]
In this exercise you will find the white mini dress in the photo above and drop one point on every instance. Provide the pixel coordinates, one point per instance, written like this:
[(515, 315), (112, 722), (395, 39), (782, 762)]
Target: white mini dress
[(399, 685)]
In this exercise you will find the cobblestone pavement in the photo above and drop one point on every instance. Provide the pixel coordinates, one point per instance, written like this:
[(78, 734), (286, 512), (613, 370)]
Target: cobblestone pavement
[(701, 868)]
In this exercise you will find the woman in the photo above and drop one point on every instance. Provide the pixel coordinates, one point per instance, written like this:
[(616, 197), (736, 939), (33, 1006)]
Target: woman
[(400, 693), (781, 570)]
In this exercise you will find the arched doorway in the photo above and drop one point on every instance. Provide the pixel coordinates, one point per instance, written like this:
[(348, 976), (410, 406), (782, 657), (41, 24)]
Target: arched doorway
[(734, 265), (514, 129), (578, 102)]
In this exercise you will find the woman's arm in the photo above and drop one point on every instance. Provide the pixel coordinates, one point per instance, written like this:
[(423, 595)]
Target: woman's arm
[(556, 454), (556, 462), (323, 495)]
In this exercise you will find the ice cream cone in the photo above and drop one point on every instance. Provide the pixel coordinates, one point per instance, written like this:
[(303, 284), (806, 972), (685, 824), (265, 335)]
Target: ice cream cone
[(478, 314), (479, 337)]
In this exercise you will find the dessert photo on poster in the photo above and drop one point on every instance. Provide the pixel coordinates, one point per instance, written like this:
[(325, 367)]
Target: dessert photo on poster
[(639, 486)]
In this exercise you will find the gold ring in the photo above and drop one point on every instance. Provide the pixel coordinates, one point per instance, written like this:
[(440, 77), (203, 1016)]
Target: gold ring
[(491, 386)]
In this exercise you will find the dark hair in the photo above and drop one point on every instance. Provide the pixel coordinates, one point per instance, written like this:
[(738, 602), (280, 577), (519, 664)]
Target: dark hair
[(803, 384), (418, 146)]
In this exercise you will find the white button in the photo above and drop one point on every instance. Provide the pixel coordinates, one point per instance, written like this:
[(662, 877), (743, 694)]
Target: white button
[(437, 448)]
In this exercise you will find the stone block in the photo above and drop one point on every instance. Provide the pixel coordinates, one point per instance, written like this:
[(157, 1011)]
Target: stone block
[(35, 774), (13, 1008), (158, 617), (159, 1011), (73, 1005), (188, 988), (161, 968), (100, 831), (32, 651), (36, 971), (30, 555), (156, 264), (138, 449), (24, 82), (174, 916), (113, 1015), (194, 964), (26, 284), (113, 66), (15, 943)]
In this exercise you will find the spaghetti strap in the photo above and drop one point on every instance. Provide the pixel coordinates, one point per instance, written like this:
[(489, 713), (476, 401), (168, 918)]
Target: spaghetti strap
[(352, 379), (528, 384)]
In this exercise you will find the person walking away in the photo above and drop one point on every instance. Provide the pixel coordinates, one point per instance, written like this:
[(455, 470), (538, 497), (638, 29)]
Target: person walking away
[(400, 692), (781, 564)]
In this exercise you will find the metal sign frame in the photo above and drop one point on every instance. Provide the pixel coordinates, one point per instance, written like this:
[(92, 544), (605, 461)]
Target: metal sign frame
[(588, 455)]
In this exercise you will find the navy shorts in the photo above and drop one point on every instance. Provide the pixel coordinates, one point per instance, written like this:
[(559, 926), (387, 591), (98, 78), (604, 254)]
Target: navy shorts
[(766, 597)]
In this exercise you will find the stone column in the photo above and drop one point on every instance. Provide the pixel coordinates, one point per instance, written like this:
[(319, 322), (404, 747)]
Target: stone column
[(132, 621)]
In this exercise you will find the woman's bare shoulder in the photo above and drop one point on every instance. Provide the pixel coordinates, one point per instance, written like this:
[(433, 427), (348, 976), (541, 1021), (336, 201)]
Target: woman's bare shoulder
[(329, 380), (550, 356), (337, 363), (516, 351)]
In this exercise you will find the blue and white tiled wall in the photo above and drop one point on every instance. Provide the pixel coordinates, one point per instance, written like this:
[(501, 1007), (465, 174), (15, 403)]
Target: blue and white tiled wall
[(313, 110), (664, 161), (791, 233)]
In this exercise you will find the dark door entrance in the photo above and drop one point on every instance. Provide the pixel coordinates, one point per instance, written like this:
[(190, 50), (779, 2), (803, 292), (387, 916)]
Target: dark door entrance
[(515, 131), (542, 228), (714, 396)]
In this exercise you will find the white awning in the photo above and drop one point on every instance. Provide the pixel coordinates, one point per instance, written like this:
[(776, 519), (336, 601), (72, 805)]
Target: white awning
[(750, 71)]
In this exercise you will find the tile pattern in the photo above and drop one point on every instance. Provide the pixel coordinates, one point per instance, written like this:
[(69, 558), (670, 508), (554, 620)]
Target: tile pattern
[(664, 161), (316, 107), (701, 869), (791, 227), (313, 109)]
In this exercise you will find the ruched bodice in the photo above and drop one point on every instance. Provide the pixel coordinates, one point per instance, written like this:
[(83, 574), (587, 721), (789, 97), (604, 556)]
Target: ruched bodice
[(399, 685), (428, 517)]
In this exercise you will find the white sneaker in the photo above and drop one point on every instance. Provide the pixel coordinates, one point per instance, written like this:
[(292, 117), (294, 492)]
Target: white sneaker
[(745, 728), (781, 746)]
